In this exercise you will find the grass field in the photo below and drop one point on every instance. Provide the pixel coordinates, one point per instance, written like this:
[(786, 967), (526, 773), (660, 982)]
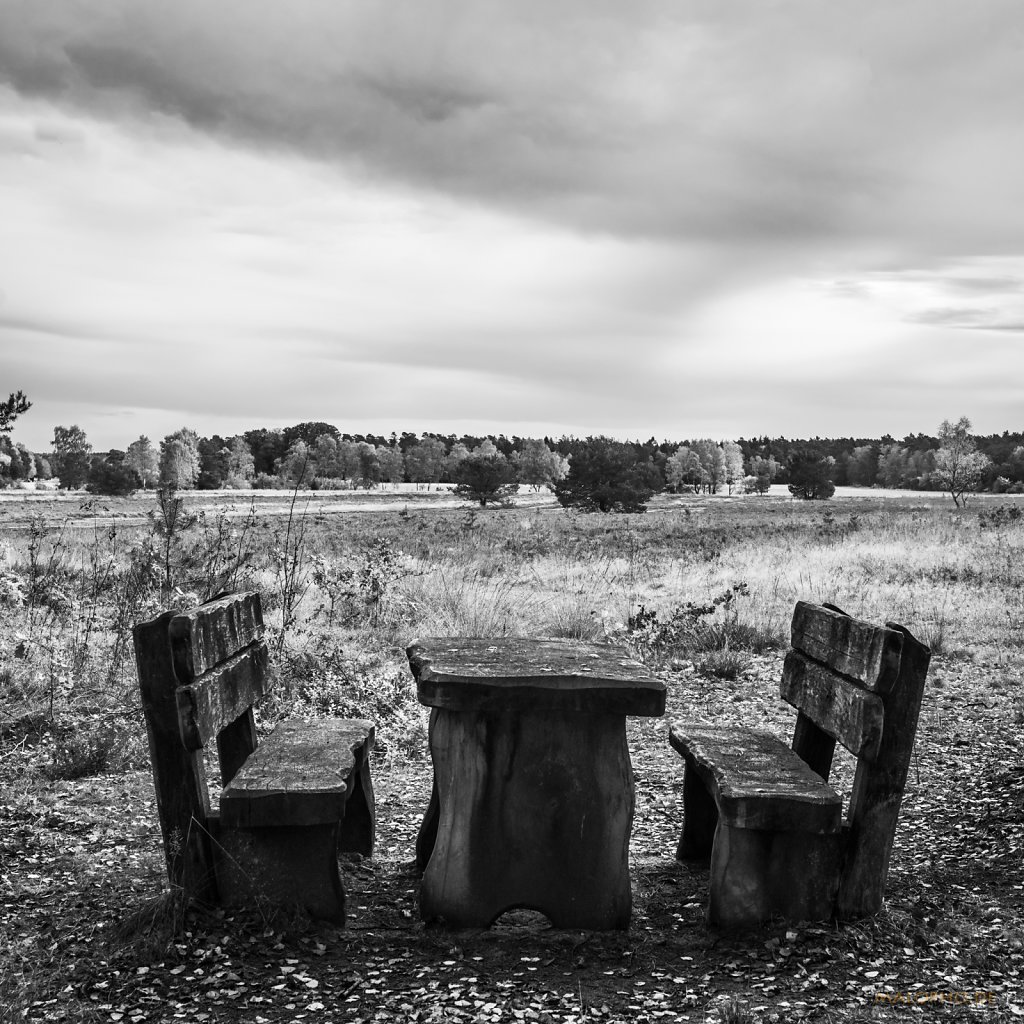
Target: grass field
[(702, 588)]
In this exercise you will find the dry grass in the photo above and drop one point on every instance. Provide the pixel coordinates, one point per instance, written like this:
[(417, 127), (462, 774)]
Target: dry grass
[(365, 584)]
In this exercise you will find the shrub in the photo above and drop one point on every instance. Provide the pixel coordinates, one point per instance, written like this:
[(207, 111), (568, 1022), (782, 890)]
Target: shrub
[(999, 516), (81, 753), (694, 628)]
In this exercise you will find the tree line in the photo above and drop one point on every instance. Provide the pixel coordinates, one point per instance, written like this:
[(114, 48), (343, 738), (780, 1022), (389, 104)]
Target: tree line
[(317, 455)]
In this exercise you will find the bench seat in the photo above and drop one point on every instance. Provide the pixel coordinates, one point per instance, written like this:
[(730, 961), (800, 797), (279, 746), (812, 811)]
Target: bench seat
[(303, 773), (757, 781)]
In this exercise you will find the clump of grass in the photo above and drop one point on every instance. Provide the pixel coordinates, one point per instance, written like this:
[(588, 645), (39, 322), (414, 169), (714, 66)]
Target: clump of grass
[(81, 753), (724, 664), (150, 929)]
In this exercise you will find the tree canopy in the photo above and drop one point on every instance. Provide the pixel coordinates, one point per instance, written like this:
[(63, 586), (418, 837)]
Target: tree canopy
[(607, 476)]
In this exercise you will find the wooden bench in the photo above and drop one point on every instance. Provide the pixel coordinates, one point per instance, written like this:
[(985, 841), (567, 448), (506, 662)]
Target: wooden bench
[(766, 814), (288, 806)]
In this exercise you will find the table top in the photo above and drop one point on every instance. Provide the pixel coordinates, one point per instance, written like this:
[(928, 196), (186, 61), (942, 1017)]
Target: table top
[(475, 674)]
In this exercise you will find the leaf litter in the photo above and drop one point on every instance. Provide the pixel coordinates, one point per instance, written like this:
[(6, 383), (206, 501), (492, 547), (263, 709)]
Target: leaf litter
[(88, 931)]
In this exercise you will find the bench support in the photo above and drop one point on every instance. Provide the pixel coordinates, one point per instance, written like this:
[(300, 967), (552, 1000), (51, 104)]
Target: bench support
[(757, 875), (295, 867), (527, 817)]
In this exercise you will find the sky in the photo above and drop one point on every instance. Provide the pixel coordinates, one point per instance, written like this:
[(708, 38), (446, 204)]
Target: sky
[(667, 218)]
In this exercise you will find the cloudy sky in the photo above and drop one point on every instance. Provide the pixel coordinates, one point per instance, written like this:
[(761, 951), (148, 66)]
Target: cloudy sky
[(671, 218)]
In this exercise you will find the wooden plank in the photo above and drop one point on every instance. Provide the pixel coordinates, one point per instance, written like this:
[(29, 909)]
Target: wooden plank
[(220, 696), (466, 674), (301, 774), (851, 715), (213, 632), (179, 779), (854, 648), (878, 789), (756, 780)]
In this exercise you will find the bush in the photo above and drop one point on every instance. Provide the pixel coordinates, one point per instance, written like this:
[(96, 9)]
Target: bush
[(111, 478), (694, 628)]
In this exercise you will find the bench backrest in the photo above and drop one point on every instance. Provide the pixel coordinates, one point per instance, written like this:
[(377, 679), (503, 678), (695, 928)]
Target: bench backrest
[(860, 685), (200, 673)]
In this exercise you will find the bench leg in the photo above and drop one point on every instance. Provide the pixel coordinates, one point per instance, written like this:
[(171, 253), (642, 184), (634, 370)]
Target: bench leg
[(757, 875), (359, 826), (286, 867), (700, 818)]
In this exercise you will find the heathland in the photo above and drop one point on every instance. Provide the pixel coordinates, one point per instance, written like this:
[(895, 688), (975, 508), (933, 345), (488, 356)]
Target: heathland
[(700, 587)]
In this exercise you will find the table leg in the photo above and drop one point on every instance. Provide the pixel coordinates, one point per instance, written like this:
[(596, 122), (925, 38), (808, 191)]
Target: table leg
[(534, 811)]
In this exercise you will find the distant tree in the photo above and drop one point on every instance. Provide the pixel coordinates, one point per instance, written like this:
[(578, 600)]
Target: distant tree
[(213, 463), (682, 469), (391, 463), (486, 478), (308, 432), (369, 466), (606, 476), (142, 457), (732, 456), (324, 451), (892, 466), (179, 460), (539, 466), (10, 410), (424, 460), (113, 475), (450, 466), (267, 446), (70, 458), (959, 466), (298, 468), (712, 464), (862, 467), (241, 464), (810, 475), (349, 463), (762, 472)]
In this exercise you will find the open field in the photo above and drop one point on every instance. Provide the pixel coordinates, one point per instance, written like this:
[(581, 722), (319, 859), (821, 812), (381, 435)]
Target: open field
[(87, 933)]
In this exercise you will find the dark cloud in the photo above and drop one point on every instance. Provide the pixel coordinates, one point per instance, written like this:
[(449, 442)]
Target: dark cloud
[(774, 126)]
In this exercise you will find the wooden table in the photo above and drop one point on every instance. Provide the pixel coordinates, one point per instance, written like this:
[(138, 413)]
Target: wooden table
[(532, 802)]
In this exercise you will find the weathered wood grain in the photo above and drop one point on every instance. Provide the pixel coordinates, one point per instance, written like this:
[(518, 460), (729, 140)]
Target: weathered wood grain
[(854, 648), (182, 798), (756, 780), (533, 809), (878, 788), (215, 699), (840, 708), (499, 674), (213, 632), (301, 774)]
